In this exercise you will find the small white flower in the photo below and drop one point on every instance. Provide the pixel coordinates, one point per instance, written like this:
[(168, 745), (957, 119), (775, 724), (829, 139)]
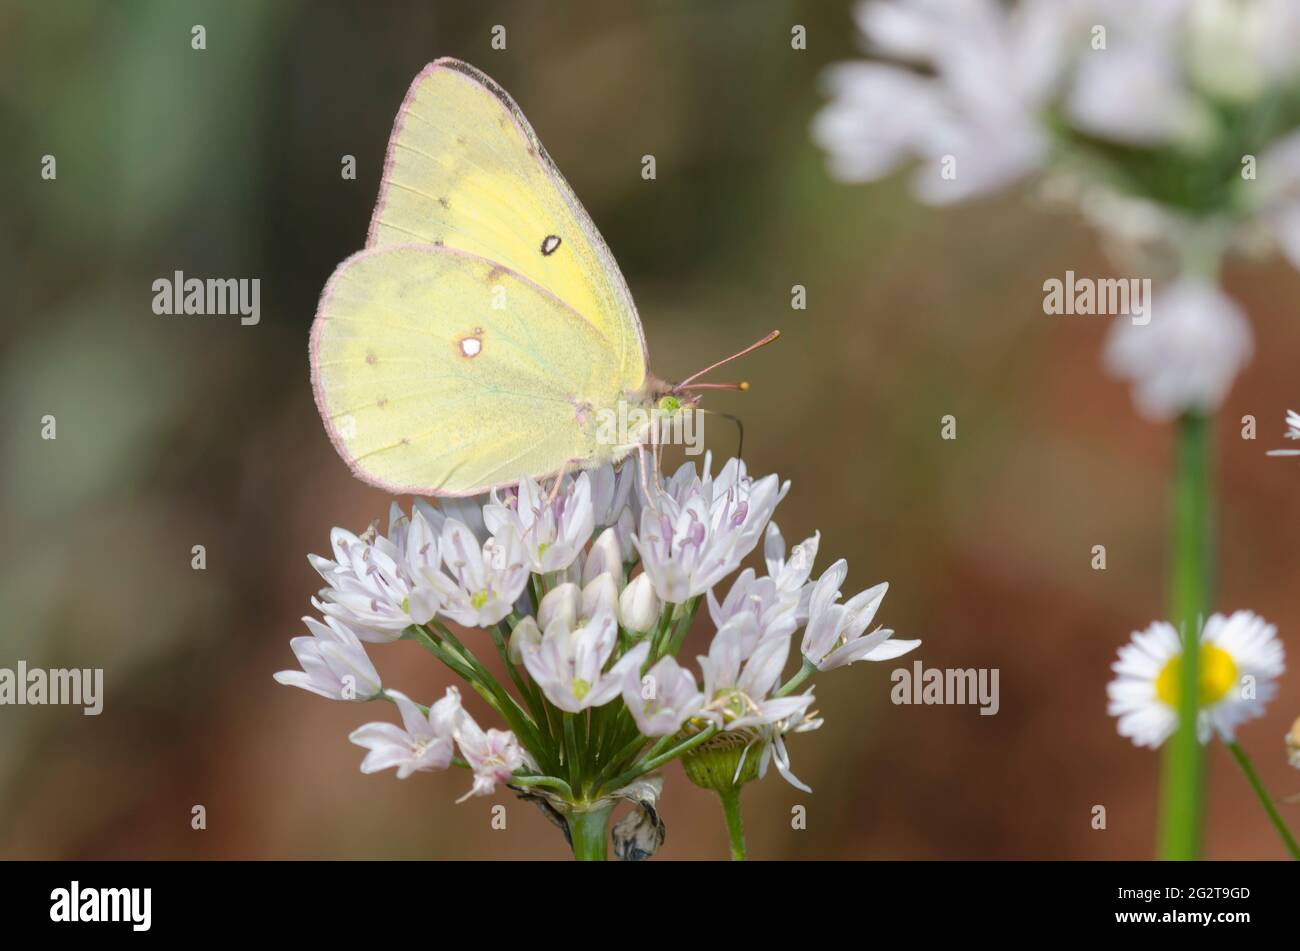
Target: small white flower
[(334, 663), (553, 533), (569, 665), (1186, 358), (1241, 657), (833, 637), (774, 751), (611, 491), (704, 527), (480, 585), (775, 611), (791, 575), (663, 699), (638, 605), (372, 580), (739, 673), (425, 743), (493, 755)]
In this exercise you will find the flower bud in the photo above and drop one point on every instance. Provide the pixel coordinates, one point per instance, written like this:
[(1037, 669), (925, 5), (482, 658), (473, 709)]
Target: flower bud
[(600, 594), (605, 556), (638, 605), (560, 605), (526, 636)]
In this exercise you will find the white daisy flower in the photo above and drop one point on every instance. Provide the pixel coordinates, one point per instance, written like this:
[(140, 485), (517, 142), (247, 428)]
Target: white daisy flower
[(1241, 657)]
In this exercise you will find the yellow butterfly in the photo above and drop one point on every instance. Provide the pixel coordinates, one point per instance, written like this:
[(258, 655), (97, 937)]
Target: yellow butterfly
[(485, 330)]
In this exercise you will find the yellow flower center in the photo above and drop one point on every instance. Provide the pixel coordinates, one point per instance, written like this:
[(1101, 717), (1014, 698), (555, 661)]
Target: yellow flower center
[(1218, 675), (580, 688), (478, 599)]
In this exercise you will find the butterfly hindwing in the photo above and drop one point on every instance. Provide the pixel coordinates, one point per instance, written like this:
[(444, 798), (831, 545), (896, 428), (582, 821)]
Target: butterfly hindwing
[(431, 372)]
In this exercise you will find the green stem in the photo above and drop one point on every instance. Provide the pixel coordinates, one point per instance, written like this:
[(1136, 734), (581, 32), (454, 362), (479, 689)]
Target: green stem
[(802, 674), (1264, 798), (1183, 781), (735, 826), (589, 832)]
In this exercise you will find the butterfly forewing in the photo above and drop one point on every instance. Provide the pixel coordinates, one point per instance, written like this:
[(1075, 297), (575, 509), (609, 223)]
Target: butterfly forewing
[(465, 170)]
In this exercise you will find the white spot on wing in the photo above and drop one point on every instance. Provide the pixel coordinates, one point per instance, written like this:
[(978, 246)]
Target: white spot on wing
[(471, 346)]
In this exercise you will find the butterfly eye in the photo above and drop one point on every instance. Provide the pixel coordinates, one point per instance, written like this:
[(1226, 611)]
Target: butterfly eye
[(550, 243)]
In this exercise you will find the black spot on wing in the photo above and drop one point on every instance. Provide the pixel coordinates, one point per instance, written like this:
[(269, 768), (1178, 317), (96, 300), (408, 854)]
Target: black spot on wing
[(549, 244)]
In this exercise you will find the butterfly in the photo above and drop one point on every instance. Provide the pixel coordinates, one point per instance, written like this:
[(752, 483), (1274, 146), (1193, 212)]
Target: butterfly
[(485, 330)]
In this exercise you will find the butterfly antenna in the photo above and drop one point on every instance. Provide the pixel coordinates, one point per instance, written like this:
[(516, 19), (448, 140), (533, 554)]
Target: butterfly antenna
[(740, 429), (690, 384)]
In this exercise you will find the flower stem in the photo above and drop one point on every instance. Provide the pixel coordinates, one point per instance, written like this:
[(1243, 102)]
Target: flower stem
[(735, 826), (1265, 800), (1183, 780), (589, 831)]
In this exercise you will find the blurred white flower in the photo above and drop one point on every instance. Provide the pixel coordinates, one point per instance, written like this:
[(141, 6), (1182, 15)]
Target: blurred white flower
[(1241, 658), (569, 664), (704, 527), (493, 755), (424, 744), (480, 585), (553, 532), (1187, 356), (663, 699), (964, 97), (833, 637), (334, 663)]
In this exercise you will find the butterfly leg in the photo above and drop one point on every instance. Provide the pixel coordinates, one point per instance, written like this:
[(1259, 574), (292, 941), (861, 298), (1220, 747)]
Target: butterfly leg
[(559, 481), (645, 485)]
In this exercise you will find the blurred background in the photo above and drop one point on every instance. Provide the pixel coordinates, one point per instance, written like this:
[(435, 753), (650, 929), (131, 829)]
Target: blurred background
[(178, 431)]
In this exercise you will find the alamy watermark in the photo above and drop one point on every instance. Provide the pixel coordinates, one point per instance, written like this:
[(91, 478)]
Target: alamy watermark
[(214, 296), (668, 423), (948, 686), (60, 686), (1104, 297)]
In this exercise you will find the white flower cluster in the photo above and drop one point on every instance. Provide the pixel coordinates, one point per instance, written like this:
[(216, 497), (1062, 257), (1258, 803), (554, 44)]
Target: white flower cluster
[(1167, 121), (552, 574)]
